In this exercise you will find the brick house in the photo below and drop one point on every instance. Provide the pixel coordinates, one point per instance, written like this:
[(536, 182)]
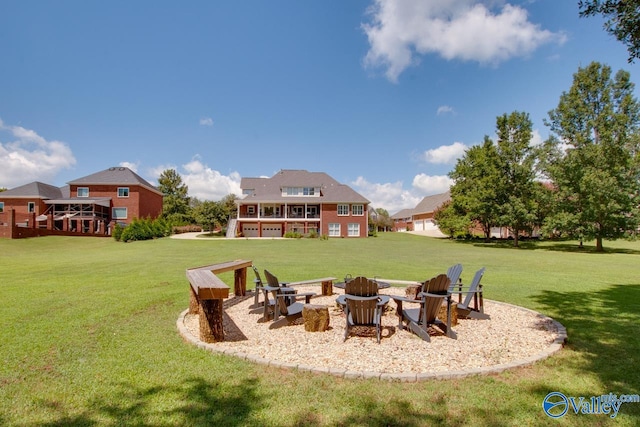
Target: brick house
[(420, 218), (403, 220), (300, 201), (90, 205)]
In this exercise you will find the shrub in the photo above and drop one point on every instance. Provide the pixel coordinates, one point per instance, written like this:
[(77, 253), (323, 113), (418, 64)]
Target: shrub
[(292, 235), (145, 229), (117, 232)]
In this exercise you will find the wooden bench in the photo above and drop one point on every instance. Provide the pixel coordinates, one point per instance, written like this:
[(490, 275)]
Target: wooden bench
[(326, 283), (208, 292)]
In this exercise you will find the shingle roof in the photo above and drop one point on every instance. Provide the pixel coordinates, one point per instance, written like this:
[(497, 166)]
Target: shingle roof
[(404, 213), (431, 203), (118, 175), (34, 189), (270, 189)]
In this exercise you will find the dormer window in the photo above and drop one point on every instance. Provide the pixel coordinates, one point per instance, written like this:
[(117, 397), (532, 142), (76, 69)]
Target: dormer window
[(301, 191)]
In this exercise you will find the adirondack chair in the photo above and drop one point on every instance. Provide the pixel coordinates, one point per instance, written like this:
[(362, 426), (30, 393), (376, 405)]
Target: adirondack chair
[(418, 320), (282, 301), (453, 273), (362, 305), (259, 285), (473, 294)]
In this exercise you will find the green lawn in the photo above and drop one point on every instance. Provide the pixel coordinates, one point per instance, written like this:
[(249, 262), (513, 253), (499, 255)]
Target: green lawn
[(89, 335)]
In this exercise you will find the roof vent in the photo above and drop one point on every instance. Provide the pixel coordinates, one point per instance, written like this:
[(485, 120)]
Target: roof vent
[(112, 169), (121, 169)]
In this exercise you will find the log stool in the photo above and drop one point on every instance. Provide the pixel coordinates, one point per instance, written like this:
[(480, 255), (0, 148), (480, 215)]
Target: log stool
[(316, 317), (442, 313), (412, 291)]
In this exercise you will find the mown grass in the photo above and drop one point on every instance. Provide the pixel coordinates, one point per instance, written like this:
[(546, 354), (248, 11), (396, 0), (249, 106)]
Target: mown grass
[(88, 334)]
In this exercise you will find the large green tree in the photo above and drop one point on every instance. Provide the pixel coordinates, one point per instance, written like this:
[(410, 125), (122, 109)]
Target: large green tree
[(474, 191), (593, 156), (516, 188), (209, 214), (622, 20), (175, 205)]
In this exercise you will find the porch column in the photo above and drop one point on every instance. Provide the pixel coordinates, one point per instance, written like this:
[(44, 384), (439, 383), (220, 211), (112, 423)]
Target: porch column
[(50, 221)]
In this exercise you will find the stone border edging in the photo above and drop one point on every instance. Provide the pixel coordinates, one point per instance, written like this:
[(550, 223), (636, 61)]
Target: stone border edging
[(555, 346)]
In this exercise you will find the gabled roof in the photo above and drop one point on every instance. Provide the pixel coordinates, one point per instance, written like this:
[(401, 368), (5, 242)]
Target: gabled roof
[(37, 190), (118, 175), (431, 203), (404, 213), (270, 189)]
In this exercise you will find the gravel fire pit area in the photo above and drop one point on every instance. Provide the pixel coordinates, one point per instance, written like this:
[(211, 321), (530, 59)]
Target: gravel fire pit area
[(514, 336)]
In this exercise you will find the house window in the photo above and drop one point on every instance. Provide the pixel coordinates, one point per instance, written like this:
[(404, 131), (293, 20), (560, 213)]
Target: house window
[(83, 191), (334, 229), (301, 191), (357, 210), (119, 213), (354, 230), (1, 206), (31, 207), (343, 210), (251, 210), (123, 191)]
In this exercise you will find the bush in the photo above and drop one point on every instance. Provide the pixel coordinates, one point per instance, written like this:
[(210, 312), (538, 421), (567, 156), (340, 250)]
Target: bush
[(179, 229), (292, 235), (117, 232), (145, 229)]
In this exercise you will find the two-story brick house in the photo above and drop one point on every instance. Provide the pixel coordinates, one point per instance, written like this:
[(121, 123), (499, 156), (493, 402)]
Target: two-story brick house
[(88, 205), (303, 202)]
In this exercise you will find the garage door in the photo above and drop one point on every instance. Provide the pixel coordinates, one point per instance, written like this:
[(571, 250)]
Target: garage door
[(271, 230), (418, 225), (250, 230)]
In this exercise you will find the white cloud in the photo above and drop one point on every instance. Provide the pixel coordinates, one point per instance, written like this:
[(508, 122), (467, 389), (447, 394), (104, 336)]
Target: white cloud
[(206, 121), (445, 109), (29, 157), (536, 139), (429, 184), (208, 184), (389, 196), (132, 166), (470, 30), (445, 154)]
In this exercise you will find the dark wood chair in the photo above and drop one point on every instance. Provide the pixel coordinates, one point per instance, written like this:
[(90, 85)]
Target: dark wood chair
[(418, 320), (280, 300), (473, 305), (362, 305)]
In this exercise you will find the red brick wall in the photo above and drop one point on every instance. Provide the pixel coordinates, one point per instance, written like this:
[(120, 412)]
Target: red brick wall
[(329, 214), (21, 205), (141, 202)]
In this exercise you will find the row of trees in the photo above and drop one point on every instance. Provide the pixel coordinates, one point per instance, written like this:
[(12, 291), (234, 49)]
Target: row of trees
[(583, 182), (180, 209)]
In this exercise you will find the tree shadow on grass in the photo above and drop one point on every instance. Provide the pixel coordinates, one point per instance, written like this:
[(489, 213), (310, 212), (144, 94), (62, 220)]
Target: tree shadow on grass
[(556, 246), (201, 403), (604, 327)]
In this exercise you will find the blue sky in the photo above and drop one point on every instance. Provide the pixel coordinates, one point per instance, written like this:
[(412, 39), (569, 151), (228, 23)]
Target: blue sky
[(382, 95)]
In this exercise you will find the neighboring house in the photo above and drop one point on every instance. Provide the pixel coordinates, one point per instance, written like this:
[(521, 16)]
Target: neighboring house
[(424, 211), (403, 220), (302, 202), (420, 218), (89, 205)]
